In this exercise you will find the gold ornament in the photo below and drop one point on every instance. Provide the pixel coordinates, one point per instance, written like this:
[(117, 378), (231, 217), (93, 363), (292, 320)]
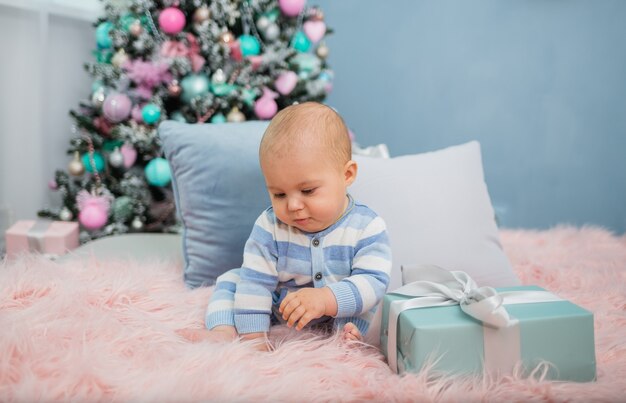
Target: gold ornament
[(201, 14), (322, 51), (119, 58), (136, 29), (227, 37), (235, 115), (76, 167)]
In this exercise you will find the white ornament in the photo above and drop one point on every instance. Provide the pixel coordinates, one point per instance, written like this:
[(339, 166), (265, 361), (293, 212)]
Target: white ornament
[(65, 214), (137, 224), (272, 32), (116, 158), (262, 23), (219, 77)]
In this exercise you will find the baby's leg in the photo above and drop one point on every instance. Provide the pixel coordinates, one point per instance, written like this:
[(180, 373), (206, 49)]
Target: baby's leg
[(219, 319)]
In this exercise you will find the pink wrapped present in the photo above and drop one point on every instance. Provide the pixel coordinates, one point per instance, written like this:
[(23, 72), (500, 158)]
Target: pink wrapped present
[(48, 237)]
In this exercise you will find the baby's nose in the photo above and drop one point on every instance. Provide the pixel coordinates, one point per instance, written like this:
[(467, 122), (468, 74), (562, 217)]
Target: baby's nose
[(294, 204)]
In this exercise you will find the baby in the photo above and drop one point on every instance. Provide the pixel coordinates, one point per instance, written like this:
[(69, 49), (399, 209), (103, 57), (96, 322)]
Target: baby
[(316, 256)]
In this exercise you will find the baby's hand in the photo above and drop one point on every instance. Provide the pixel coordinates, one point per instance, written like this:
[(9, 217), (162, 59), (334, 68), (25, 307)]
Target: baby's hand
[(304, 305)]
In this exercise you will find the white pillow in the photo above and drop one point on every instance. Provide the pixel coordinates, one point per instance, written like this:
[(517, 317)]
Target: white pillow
[(437, 209)]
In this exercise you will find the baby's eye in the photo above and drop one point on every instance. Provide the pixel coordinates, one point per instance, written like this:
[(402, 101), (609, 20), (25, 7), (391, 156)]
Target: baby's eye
[(308, 191), (279, 195)]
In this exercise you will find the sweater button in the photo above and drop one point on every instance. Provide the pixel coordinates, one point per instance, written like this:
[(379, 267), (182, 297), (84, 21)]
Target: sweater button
[(316, 242), (318, 276)]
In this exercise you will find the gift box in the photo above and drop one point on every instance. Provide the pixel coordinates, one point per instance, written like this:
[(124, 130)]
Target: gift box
[(448, 338), (53, 238)]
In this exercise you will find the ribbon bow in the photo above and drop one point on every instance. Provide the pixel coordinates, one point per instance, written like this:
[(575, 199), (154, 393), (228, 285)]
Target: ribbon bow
[(178, 49), (440, 287)]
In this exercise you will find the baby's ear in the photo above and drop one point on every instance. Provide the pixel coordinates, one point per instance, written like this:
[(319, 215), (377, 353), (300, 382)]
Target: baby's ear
[(350, 171)]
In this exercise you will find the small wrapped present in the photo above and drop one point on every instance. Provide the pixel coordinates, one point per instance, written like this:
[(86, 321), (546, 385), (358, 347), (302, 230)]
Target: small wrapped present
[(52, 238), (447, 321)]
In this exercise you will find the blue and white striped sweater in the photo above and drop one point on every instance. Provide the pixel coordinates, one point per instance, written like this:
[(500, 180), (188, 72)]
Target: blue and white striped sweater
[(352, 258)]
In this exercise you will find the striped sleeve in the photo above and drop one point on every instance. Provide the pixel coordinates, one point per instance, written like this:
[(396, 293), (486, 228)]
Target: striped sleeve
[(371, 269), (253, 297)]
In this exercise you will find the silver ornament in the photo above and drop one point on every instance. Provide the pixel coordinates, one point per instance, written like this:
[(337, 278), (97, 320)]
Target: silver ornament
[(97, 98), (262, 23), (65, 214), (137, 224), (272, 32), (219, 77), (116, 158)]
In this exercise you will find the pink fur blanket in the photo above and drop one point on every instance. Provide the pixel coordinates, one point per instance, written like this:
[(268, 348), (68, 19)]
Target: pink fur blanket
[(90, 330)]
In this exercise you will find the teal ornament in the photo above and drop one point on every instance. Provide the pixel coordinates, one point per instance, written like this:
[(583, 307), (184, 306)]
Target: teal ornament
[(222, 89), (103, 40), (97, 159), (110, 145), (306, 62), (103, 56), (218, 118), (249, 45), (194, 85), (272, 15), (151, 113), (158, 172), (178, 116), (126, 21), (249, 96), (300, 42)]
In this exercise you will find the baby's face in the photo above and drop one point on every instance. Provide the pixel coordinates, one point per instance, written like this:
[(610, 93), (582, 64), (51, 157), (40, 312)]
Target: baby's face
[(307, 190)]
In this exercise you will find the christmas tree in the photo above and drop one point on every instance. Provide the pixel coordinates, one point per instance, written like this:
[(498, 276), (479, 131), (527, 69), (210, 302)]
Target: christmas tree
[(195, 61)]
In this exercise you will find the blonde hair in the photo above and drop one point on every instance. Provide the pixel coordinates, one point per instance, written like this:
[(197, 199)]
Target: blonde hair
[(309, 123)]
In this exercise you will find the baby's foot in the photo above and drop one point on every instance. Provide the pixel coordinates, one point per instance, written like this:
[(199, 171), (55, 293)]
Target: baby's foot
[(217, 334), (351, 333)]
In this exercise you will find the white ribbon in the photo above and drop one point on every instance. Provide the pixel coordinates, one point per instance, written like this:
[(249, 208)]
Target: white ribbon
[(440, 287), (36, 235)]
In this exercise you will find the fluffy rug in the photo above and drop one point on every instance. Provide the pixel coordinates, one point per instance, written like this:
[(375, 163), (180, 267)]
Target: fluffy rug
[(105, 331)]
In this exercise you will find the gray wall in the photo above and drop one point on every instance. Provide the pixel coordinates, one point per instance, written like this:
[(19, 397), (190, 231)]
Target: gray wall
[(541, 84)]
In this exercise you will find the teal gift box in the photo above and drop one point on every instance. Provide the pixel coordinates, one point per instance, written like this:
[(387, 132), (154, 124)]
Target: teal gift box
[(557, 332)]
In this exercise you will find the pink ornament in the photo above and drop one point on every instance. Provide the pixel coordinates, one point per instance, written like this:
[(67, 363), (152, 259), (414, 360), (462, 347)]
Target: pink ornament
[(116, 107), (94, 210), (136, 113), (129, 154), (286, 82), (52, 184), (266, 107), (256, 61), (172, 20), (314, 30), (291, 8)]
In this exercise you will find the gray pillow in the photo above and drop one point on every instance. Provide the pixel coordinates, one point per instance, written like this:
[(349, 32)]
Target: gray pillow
[(219, 192)]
